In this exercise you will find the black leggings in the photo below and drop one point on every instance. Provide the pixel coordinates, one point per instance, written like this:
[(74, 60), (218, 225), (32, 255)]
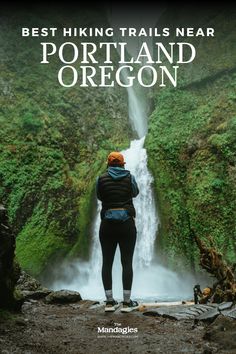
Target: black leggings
[(112, 234)]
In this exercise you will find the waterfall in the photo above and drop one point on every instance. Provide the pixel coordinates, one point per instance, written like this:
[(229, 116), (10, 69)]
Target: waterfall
[(146, 216), (137, 110), (151, 281)]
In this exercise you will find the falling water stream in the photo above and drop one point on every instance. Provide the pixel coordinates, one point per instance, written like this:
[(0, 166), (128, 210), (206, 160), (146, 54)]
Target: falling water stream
[(151, 281)]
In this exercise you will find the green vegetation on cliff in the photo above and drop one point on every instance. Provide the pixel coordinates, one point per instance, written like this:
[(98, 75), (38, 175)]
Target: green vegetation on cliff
[(191, 145), (53, 141)]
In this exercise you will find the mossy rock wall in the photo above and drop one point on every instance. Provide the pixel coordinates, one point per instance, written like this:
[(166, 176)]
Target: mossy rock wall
[(53, 141), (9, 269), (191, 143)]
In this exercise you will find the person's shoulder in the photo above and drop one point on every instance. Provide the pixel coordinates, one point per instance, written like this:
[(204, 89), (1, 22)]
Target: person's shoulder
[(102, 175)]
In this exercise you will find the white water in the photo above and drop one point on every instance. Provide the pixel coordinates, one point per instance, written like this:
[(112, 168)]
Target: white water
[(151, 280)]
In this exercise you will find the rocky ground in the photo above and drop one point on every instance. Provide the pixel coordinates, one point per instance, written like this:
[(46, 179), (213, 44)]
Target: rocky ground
[(61, 322), (73, 328)]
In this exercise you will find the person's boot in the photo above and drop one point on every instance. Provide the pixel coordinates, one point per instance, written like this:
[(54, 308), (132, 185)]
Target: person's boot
[(129, 306), (111, 306)]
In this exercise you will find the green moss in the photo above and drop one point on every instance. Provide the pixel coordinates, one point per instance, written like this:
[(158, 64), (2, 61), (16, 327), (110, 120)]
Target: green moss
[(191, 148), (54, 142), (85, 212), (6, 315), (37, 246), (214, 54)]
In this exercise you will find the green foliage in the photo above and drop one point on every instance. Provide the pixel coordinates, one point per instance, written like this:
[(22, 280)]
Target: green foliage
[(53, 143), (86, 207), (191, 146), (6, 315), (30, 124), (214, 54), (37, 244)]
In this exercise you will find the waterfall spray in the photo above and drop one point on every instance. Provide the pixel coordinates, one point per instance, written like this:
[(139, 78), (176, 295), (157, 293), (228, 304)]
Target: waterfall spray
[(151, 281)]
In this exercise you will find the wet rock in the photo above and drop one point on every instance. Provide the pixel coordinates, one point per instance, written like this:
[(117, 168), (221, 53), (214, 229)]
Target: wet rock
[(30, 288), (199, 312), (27, 283), (182, 312), (63, 297), (35, 295), (9, 270), (225, 306), (230, 313), (75, 306), (209, 316), (223, 332), (21, 322)]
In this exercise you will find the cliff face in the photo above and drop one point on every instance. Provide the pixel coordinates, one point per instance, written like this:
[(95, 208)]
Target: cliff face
[(191, 141), (53, 141), (9, 272)]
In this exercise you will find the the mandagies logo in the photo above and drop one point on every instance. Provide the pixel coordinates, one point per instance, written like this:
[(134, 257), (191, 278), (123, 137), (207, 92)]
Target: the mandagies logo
[(118, 330)]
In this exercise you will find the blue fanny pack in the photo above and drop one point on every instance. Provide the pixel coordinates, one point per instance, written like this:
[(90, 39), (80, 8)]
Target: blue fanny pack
[(116, 215)]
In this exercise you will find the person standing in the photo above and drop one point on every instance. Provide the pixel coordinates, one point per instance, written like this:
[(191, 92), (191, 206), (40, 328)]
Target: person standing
[(116, 188)]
